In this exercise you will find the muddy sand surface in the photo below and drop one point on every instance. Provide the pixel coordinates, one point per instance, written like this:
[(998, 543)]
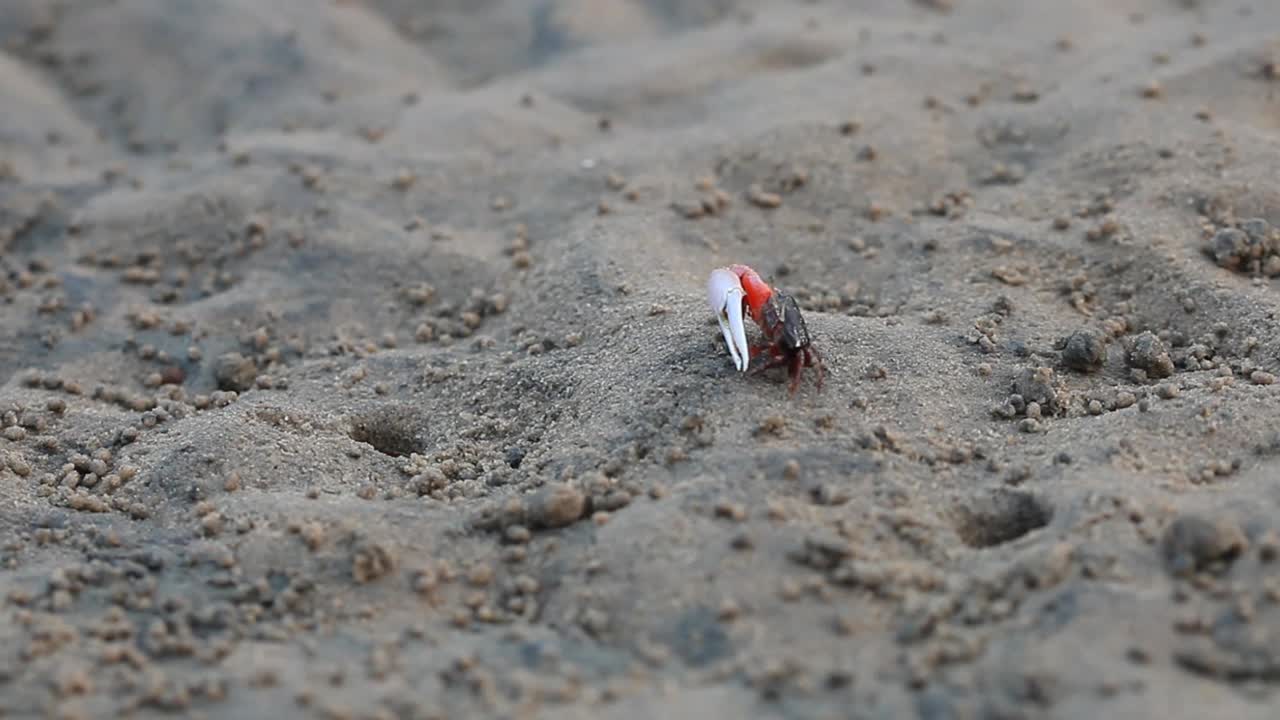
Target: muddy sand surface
[(355, 359)]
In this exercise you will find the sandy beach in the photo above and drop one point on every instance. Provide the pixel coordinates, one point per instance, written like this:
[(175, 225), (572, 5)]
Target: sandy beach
[(356, 360)]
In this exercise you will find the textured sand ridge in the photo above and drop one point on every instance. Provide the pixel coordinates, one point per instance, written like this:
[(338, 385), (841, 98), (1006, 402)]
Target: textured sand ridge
[(355, 359)]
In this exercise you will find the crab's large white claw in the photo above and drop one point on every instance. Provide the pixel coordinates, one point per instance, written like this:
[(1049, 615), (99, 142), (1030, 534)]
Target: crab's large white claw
[(725, 293)]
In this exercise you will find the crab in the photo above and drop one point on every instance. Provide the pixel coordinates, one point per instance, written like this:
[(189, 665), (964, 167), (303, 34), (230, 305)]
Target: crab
[(738, 289)]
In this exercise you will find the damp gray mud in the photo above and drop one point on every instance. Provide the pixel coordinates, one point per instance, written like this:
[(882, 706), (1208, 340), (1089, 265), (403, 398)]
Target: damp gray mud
[(355, 359)]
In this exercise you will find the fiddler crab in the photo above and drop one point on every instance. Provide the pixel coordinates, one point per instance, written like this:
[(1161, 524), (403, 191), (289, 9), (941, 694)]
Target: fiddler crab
[(737, 288)]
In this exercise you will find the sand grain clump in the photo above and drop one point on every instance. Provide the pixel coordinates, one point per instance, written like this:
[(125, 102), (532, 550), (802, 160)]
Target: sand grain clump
[(355, 359)]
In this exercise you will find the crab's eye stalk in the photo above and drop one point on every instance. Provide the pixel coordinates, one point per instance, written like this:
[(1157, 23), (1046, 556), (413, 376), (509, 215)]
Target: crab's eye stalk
[(725, 293)]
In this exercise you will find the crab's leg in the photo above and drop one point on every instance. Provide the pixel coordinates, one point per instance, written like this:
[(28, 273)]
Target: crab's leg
[(797, 363), (775, 362), (814, 360)]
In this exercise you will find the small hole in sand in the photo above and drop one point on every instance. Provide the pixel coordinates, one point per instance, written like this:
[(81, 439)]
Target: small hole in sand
[(999, 517), (394, 431)]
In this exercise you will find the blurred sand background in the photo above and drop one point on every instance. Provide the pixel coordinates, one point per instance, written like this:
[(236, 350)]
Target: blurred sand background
[(355, 359)]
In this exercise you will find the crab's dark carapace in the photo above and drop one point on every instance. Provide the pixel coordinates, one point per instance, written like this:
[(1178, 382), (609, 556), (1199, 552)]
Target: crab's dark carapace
[(787, 339)]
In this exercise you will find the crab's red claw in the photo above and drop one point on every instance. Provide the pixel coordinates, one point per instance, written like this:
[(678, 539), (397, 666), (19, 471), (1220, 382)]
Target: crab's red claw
[(725, 293)]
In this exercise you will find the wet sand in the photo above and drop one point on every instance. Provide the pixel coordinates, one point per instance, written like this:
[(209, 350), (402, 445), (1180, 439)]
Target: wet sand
[(355, 359)]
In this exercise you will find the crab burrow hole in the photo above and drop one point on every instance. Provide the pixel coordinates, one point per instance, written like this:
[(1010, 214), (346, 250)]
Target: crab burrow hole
[(398, 431), (1000, 516)]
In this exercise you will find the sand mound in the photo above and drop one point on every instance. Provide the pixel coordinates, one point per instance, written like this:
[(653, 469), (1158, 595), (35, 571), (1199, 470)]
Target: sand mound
[(355, 360)]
